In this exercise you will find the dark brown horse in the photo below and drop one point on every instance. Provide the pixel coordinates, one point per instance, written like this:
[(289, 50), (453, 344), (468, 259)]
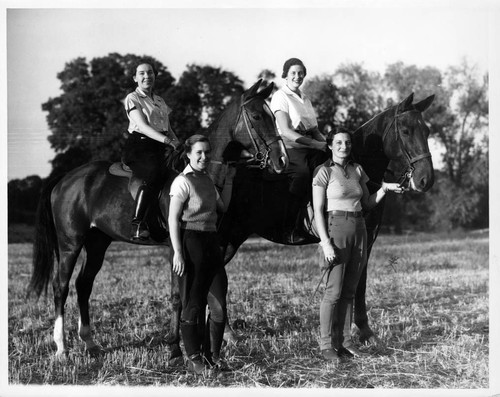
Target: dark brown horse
[(89, 208), (395, 139)]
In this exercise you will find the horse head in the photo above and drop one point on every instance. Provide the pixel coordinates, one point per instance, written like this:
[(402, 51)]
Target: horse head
[(405, 144), (246, 133), (395, 140)]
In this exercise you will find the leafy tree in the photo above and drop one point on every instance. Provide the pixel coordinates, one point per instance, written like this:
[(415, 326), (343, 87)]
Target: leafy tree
[(214, 87), (325, 99), (22, 198), (361, 94)]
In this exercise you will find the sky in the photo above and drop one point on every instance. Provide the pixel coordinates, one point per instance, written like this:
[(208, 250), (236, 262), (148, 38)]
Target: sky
[(40, 41)]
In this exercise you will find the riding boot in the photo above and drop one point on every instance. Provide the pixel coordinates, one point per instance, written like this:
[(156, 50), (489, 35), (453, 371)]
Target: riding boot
[(192, 346), (142, 201), (216, 336), (191, 338), (293, 230)]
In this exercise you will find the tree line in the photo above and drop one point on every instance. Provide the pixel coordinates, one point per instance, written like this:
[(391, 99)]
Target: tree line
[(88, 122)]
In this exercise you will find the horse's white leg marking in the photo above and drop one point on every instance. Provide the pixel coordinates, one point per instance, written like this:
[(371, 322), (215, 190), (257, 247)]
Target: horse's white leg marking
[(85, 335), (59, 338)]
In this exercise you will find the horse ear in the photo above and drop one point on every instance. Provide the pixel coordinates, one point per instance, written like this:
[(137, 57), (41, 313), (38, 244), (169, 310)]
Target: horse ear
[(424, 104), (253, 89), (266, 91), (406, 103)]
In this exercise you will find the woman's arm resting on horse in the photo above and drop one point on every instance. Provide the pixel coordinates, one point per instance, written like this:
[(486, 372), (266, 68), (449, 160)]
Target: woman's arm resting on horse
[(174, 141), (369, 201), (145, 128), (285, 124)]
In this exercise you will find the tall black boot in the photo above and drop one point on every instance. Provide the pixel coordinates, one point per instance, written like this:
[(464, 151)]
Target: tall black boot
[(192, 346), (142, 202), (293, 230), (216, 336)]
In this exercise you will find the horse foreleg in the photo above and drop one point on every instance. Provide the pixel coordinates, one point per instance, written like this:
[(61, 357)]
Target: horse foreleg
[(60, 285), (174, 338), (96, 244), (366, 335)]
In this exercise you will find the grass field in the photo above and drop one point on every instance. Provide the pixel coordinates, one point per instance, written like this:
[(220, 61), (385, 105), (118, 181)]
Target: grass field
[(427, 298)]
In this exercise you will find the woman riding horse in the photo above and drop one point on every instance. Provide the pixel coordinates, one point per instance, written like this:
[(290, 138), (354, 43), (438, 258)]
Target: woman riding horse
[(298, 127), (149, 134)]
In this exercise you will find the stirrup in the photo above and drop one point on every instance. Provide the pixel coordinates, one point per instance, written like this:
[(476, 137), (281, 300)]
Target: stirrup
[(140, 231), (295, 237)]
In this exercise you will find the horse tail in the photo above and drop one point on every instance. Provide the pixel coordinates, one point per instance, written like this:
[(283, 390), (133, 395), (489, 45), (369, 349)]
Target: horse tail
[(45, 243)]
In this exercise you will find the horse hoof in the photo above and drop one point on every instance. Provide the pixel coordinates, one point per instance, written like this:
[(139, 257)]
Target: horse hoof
[(175, 355), (95, 351), (177, 361), (370, 340)]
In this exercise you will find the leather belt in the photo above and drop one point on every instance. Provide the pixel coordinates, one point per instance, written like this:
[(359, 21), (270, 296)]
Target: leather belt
[(347, 214)]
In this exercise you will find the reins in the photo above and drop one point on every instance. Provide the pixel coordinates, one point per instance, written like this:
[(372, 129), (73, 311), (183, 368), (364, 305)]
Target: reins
[(261, 157)]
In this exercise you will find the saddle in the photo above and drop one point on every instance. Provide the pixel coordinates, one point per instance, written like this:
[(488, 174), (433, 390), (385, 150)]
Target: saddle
[(120, 169), (156, 222)]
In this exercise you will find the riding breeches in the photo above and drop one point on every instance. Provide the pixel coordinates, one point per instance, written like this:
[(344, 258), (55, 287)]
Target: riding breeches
[(204, 280), (349, 239), (302, 163), (145, 156)]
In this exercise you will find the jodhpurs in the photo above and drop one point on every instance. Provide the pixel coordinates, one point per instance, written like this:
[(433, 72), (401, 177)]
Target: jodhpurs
[(302, 163), (204, 280), (146, 158), (349, 239)]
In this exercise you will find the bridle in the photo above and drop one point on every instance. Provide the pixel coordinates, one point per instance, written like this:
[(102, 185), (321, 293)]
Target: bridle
[(407, 173), (261, 156)]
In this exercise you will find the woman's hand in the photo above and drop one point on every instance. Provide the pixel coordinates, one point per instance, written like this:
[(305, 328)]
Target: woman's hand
[(328, 251), (392, 187), (178, 264), (318, 145)]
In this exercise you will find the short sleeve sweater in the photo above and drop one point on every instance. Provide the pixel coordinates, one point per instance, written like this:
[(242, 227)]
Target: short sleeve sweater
[(199, 195), (343, 190)]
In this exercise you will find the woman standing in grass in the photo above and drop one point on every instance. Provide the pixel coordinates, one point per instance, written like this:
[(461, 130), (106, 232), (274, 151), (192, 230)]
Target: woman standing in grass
[(339, 195), (194, 202)]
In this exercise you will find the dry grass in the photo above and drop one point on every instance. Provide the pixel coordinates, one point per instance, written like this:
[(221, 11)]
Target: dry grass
[(427, 296)]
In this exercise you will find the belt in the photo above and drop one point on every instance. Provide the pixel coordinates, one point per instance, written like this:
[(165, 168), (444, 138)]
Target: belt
[(347, 214), (142, 136)]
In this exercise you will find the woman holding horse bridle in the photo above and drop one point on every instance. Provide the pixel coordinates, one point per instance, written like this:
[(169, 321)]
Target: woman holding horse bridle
[(339, 195), (296, 123), (197, 260), (150, 134)]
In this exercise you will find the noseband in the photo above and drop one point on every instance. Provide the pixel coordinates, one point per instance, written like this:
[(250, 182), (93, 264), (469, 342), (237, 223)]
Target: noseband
[(261, 155), (407, 173)]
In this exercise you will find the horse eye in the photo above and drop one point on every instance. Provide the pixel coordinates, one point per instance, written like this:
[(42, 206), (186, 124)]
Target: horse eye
[(256, 116)]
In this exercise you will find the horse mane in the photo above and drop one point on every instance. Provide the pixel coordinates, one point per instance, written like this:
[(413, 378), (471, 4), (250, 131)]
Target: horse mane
[(177, 160)]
